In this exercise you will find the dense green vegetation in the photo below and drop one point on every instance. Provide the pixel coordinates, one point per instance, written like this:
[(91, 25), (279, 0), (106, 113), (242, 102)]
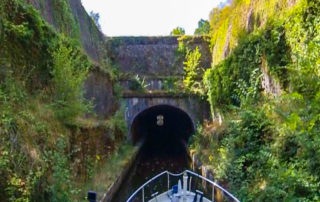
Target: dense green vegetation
[(267, 147), (195, 61), (64, 20), (193, 72), (44, 152), (263, 143), (241, 17)]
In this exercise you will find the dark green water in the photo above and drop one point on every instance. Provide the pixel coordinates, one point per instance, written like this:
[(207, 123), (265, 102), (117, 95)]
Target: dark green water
[(150, 163)]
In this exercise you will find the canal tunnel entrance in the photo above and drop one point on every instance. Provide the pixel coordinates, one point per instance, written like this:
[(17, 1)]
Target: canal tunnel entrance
[(162, 130)]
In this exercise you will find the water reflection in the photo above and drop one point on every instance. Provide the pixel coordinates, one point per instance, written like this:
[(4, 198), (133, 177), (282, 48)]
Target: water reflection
[(150, 162)]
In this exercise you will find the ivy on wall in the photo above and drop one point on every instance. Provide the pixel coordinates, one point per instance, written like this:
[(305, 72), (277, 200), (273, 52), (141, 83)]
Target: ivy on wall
[(267, 147)]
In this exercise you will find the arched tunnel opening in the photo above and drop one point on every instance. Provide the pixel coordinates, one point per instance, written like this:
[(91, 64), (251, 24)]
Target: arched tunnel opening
[(162, 130)]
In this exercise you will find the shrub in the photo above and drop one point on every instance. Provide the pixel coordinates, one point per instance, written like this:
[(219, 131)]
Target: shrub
[(193, 72), (69, 72), (138, 84)]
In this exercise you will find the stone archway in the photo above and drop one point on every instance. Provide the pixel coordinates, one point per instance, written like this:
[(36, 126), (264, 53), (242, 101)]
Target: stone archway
[(162, 127)]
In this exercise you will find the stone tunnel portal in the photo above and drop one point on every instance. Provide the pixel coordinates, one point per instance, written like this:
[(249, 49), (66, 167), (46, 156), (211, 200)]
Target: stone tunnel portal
[(163, 129)]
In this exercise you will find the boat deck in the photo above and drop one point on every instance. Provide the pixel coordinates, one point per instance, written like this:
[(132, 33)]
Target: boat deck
[(168, 197), (181, 192)]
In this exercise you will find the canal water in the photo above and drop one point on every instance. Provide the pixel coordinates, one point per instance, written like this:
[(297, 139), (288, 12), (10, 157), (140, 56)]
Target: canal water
[(149, 163)]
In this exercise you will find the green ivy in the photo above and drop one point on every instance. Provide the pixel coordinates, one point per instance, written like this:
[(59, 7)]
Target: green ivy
[(236, 73), (267, 148)]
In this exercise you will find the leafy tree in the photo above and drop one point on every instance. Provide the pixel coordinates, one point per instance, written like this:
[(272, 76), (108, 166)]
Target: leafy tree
[(203, 27), (95, 17), (177, 31)]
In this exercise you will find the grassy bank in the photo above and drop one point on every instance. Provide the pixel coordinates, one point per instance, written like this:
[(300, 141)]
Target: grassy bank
[(108, 173), (45, 153)]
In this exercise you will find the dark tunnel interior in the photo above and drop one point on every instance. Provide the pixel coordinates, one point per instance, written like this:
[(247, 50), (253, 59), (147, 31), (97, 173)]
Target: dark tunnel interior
[(162, 130)]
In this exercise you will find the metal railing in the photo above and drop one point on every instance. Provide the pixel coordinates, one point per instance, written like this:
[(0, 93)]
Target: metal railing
[(213, 184)]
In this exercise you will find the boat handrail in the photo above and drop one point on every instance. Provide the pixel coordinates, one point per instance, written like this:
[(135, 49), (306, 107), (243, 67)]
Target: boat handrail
[(177, 175)]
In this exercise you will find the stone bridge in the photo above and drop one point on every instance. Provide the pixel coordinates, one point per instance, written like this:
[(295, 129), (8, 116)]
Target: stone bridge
[(152, 71), (153, 67)]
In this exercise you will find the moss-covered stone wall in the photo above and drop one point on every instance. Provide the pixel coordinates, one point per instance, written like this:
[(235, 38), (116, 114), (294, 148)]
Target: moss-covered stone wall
[(153, 56), (70, 18)]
